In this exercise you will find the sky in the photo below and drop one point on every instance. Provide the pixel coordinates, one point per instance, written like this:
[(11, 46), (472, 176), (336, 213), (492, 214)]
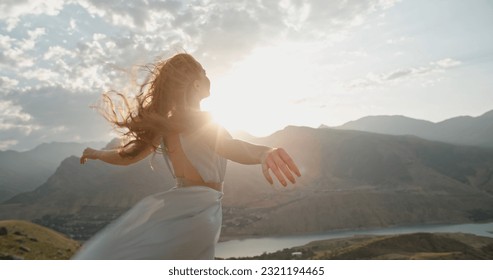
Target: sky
[(271, 63)]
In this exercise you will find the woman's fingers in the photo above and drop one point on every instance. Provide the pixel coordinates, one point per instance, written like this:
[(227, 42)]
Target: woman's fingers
[(87, 154), (283, 167), (83, 158), (281, 164), (265, 170), (289, 162), (275, 169)]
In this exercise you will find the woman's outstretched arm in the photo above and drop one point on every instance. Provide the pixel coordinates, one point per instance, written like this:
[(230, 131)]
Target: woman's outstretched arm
[(114, 156), (275, 159)]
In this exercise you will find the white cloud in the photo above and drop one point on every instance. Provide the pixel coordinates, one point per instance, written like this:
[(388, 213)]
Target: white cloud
[(210, 29), (11, 11), (25, 129), (12, 52), (447, 63), (399, 40), (36, 33), (296, 13), (44, 75), (57, 52), (51, 114), (93, 44), (373, 80), (5, 144), (14, 118), (130, 14), (7, 83), (12, 112), (6, 41), (73, 24), (385, 4), (29, 43)]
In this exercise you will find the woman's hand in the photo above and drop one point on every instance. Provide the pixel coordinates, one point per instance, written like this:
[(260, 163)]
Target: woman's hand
[(280, 163), (89, 153)]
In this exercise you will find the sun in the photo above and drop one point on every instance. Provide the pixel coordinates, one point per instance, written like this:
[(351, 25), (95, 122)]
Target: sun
[(264, 92)]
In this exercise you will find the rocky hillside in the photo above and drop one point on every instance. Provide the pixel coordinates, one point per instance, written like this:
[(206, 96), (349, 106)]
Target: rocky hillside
[(415, 246), (28, 241), (357, 180), (25, 171)]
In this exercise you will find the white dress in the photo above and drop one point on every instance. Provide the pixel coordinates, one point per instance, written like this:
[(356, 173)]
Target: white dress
[(182, 223)]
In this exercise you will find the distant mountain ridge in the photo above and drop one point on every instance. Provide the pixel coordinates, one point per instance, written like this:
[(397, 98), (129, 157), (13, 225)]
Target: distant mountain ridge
[(464, 130), (351, 180), (25, 171), (95, 192)]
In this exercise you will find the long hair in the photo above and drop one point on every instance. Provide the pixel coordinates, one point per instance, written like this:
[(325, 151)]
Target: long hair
[(161, 105)]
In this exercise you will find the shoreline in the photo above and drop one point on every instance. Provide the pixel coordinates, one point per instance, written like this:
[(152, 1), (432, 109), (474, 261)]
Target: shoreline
[(250, 246), (336, 231)]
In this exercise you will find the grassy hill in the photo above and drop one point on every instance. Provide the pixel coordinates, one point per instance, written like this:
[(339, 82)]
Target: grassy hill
[(414, 246), (25, 240)]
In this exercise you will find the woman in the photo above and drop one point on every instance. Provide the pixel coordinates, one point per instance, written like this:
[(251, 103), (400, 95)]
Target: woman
[(184, 222)]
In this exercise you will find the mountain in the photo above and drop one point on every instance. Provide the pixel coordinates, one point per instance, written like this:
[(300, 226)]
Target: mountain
[(25, 171), (465, 130), (355, 179), (95, 193), (25, 240), (351, 180), (414, 246)]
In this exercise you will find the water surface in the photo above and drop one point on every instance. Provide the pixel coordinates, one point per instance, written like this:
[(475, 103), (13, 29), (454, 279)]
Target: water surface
[(257, 246)]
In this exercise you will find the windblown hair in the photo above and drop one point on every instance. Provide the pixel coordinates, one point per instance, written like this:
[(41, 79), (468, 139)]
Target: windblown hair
[(161, 105)]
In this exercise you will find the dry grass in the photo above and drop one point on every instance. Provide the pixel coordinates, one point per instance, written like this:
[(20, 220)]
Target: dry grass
[(25, 240)]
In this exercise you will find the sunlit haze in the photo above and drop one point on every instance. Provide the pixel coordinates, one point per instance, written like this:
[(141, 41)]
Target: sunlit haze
[(266, 91)]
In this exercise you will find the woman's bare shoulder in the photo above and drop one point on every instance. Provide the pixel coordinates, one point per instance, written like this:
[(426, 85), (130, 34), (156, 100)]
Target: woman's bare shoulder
[(210, 131)]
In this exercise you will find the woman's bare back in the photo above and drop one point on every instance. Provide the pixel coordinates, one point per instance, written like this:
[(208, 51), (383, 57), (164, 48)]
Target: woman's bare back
[(182, 166)]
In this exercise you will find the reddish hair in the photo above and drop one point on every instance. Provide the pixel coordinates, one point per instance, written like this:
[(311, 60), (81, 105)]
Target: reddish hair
[(161, 105)]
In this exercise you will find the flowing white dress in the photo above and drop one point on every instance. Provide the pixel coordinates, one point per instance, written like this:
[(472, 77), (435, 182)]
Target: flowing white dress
[(182, 223)]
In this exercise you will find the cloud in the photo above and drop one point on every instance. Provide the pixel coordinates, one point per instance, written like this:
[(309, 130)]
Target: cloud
[(12, 112), (57, 56), (134, 14), (8, 83), (397, 74), (14, 118), (57, 52), (50, 114), (296, 13), (447, 63), (399, 40), (373, 80), (219, 33), (14, 51), (28, 44), (6, 144), (11, 11), (212, 30)]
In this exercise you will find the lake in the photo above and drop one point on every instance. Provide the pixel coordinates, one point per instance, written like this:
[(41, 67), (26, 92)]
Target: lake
[(257, 246)]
